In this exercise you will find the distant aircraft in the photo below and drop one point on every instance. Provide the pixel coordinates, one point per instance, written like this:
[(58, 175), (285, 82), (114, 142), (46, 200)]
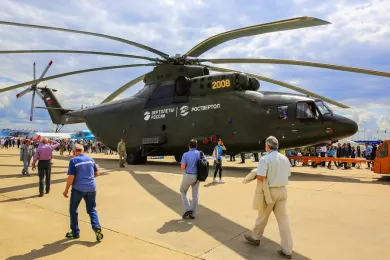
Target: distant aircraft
[(39, 135), (85, 134)]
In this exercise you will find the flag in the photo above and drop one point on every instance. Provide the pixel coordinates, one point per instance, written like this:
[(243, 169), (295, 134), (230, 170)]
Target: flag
[(49, 100)]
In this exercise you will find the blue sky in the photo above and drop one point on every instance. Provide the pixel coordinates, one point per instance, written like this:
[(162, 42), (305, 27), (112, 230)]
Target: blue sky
[(359, 36)]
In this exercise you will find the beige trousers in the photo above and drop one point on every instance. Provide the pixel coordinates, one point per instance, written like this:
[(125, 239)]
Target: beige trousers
[(122, 159), (279, 207)]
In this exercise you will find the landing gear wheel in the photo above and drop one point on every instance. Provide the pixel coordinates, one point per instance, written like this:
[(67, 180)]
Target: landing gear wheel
[(136, 158), (131, 159), (178, 157)]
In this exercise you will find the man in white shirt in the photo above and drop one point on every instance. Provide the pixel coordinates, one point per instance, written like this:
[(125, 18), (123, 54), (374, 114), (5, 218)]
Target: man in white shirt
[(276, 168)]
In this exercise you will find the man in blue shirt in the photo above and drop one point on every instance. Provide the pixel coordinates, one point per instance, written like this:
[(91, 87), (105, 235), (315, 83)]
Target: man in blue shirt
[(81, 176), (190, 179)]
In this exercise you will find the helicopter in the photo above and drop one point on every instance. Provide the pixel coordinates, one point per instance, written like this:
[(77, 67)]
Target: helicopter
[(183, 100)]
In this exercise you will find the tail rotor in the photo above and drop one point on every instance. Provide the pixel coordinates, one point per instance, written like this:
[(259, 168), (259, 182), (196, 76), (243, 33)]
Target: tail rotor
[(35, 89)]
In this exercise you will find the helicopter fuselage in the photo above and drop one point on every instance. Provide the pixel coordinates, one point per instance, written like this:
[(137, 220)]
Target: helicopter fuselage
[(179, 103)]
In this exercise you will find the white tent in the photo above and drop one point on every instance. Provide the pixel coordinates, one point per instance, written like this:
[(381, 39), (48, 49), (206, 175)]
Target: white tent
[(342, 141)]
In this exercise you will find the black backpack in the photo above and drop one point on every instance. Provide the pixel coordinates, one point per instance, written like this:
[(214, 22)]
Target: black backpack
[(203, 168)]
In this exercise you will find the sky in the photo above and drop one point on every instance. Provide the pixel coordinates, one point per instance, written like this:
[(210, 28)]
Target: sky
[(358, 36)]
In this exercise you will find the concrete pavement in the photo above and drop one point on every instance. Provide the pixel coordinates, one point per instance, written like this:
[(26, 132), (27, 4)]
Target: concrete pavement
[(339, 214)]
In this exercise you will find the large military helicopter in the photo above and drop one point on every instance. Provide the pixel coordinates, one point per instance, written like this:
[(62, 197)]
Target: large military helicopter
[(182, 100)]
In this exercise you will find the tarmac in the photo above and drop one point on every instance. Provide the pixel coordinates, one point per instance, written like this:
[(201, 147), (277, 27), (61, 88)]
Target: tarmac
[(334, 214)]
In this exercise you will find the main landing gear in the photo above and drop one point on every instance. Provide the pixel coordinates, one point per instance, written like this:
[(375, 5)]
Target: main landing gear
[(136, 158)]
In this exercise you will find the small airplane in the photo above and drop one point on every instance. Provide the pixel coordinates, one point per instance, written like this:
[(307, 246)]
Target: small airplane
[(181, 100), (52, 135)]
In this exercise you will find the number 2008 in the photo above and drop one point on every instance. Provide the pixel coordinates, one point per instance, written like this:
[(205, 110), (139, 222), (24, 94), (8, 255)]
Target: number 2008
[(220, 84)]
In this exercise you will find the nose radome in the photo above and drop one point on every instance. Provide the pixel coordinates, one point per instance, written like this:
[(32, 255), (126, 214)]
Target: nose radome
[(349, 127)]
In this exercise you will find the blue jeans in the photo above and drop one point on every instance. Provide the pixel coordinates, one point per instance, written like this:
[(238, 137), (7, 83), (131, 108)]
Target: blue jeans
[(90, 202)]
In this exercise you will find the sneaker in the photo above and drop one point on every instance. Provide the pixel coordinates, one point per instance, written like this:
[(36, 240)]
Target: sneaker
[(281, 253), (215, 181), (187, 214), (71, 235), (221, 181), (99, 234), (252, 240)]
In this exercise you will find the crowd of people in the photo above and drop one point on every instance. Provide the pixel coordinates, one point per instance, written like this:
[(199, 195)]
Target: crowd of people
[(345, 150)]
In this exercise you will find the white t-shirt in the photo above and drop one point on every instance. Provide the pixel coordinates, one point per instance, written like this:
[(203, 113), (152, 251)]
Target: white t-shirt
[(276, 167)]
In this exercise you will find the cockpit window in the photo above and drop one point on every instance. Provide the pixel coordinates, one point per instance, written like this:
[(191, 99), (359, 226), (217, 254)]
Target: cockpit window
[(322, 107), (306, 110)]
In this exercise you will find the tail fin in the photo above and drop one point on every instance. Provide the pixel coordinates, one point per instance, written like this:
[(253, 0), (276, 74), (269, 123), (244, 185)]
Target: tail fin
[(52, 104)]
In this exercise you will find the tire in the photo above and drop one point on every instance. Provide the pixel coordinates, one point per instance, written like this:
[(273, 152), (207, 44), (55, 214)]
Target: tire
[(131, 159), (136, 158)]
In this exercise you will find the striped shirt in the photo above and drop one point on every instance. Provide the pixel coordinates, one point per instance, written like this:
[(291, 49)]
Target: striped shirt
[(83, 168)]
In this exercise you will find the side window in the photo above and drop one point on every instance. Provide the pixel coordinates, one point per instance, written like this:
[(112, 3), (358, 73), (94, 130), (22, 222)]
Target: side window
[(306, 111), (383, 151), (283, 112)]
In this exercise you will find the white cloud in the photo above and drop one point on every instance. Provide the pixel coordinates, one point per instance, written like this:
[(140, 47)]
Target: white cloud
[(4, 101)]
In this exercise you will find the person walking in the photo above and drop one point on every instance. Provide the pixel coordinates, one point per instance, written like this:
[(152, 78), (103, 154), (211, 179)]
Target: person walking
[(367, 154), (275, 169), (62, 146), (218, 160), (189, 165), (122, 153), (331, 154), (26, 153), (82, 172), (44, 154)]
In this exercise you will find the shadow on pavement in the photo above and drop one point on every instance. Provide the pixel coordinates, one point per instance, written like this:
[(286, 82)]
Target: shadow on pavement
[(52, 249), (211, 222), (176, 225), (35, 184), (21, 166), (32, 174), (19, 199)]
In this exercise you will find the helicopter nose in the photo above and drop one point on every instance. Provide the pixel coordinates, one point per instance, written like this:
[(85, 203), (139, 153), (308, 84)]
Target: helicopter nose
[(344, 127), (349, 127)]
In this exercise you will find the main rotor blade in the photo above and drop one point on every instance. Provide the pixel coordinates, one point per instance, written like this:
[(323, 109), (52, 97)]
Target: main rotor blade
[(24, 92), (123, 88), (301, 63), (284, 25), (79, 52), (73, 73), (283, 84), (32, 106), (162, 54)]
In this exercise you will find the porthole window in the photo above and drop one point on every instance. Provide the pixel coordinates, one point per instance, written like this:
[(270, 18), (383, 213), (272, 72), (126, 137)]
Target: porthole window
[(283, 112)]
